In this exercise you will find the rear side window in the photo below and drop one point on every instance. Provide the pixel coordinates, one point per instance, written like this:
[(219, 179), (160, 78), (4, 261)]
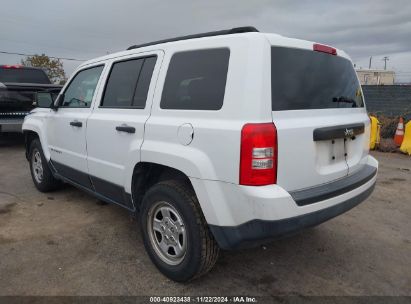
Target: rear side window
[(22, 75), (128, 83), (143, 84), (304, 79), (196, 80)]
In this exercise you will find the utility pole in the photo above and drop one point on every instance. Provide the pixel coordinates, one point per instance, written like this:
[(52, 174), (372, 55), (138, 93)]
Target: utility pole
[(385, 59), (369, 66)]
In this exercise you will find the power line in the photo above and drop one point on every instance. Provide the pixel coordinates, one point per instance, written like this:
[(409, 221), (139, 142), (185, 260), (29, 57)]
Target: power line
[(22, 54)]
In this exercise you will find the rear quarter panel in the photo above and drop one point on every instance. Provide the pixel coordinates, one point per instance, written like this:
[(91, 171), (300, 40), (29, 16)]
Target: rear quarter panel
[(214, 153)]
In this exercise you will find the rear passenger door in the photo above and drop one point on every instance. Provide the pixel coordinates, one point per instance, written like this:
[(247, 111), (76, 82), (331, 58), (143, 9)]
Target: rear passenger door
[(115, 130)]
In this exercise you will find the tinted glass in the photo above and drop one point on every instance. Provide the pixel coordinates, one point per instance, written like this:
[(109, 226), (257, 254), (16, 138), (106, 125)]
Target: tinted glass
[(122, 83), (140, 95), (45, 99), (304, 79), (196, 80), (80, 91), (23, 75)]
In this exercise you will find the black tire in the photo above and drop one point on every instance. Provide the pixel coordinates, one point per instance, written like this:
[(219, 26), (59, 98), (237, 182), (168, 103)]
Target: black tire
[(48, 182), (201, 249)]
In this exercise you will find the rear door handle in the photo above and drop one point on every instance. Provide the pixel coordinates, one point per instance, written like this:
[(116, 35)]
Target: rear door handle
[(76, 123), (125, 128)]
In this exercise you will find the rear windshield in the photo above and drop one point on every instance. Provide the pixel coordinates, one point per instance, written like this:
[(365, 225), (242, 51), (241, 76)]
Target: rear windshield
[(304, 79), (22, 75)]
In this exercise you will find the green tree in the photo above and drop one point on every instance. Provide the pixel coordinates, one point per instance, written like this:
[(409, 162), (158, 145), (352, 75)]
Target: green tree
[(53, 67)]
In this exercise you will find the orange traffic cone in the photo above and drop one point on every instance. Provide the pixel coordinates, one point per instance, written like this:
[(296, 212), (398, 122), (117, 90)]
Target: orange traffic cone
[(399, 133)]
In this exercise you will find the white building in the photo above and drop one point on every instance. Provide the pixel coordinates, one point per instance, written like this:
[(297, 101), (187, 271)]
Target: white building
[(375, 77)]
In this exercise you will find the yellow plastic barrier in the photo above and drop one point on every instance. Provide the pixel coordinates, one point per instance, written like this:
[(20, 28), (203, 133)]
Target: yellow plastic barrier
[(406, 143), (375, 132)]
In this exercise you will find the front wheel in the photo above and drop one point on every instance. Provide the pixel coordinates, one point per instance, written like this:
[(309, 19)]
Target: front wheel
[(175, 233), (40, 172)]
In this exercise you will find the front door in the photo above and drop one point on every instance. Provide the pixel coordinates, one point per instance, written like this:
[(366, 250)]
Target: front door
[(66, 128)]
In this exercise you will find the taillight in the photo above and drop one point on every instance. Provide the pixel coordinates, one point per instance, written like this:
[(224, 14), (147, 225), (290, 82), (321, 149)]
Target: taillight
[(15, 66), (258, 156), (324, 49)]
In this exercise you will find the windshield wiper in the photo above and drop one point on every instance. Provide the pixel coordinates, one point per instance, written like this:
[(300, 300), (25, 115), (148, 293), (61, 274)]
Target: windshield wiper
[(345, 100)]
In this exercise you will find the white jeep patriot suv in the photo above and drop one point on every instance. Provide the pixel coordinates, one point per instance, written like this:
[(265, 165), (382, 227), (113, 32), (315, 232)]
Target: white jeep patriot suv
[(218, 140)]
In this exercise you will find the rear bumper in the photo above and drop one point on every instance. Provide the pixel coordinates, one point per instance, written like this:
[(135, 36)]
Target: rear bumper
[(11, 125), (256, 232), (269, 213)]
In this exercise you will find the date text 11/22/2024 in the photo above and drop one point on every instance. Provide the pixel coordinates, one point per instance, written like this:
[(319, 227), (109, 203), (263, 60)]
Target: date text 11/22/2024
[(204, 299)]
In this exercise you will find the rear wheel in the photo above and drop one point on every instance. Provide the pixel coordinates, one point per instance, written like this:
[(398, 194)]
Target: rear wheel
[(40, 172), (175, 233)]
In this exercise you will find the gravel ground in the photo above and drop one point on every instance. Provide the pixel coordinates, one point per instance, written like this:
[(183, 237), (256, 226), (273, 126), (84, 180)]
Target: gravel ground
[(66, 243)]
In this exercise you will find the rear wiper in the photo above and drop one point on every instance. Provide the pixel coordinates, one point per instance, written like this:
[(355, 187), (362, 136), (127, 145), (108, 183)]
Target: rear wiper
[(345, 100)]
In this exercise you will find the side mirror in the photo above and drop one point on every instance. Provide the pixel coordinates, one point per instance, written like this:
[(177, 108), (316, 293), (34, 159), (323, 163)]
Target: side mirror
[(45, 99), (57, 101)]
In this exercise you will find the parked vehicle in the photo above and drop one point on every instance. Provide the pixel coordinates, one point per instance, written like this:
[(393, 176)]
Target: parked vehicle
[(18, 86), (219, 140)]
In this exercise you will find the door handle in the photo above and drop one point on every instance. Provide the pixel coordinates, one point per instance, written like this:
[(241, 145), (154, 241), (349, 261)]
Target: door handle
[(125, 128), (76, 123)]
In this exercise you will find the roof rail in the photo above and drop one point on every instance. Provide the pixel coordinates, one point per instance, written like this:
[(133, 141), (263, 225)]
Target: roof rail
[(235, 30)]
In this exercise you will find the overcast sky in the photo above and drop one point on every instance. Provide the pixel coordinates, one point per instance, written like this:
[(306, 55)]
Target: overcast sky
[(84, 29)]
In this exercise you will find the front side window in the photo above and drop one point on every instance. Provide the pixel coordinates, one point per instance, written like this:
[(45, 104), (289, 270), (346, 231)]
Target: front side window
[(128, 83), (196, 80), (80, 91)]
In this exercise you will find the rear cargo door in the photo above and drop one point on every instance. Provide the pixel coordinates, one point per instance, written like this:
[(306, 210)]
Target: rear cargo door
[(318, 110)]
